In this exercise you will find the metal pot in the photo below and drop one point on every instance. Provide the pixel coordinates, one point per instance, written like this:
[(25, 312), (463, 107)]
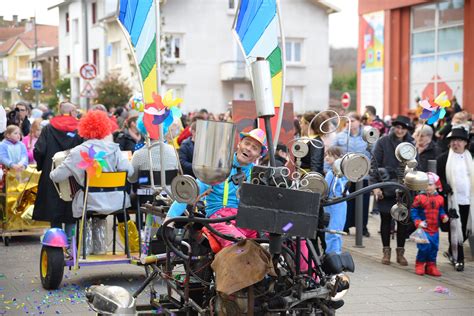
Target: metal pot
[(416, 180), (213, 151)]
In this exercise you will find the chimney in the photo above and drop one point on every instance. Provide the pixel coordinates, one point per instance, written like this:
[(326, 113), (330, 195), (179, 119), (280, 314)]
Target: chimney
[(15, 19), (1, 20)]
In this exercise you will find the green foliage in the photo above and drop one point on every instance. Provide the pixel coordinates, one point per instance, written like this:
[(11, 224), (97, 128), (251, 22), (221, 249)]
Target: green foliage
[(53, 102), (63, 86), (113, 91), (344, 82)]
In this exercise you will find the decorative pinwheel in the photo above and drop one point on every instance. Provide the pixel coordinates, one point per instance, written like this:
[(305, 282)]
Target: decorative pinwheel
[(92, 162), (435, 110), (163, 110), (137, 103)]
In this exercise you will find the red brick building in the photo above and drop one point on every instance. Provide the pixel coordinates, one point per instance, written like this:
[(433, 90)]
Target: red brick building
[(412, 49)]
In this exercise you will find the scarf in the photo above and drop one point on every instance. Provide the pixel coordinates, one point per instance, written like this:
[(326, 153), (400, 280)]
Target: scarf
[(455, 224)]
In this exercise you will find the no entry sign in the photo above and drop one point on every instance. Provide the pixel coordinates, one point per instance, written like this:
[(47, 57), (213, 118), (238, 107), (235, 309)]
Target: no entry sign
[(345, 100)]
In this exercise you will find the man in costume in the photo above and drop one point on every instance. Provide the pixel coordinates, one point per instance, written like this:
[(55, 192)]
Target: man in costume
[(222, 200), (427, 211), (58, 136)]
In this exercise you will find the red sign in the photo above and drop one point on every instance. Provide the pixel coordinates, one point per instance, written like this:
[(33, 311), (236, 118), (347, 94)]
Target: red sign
[(345, 100), (88, 71)]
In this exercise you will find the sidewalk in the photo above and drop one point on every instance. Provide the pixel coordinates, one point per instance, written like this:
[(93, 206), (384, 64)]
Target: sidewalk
[(373, 250)]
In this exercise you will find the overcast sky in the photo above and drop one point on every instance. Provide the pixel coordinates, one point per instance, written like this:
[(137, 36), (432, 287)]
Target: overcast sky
[(343, 26)]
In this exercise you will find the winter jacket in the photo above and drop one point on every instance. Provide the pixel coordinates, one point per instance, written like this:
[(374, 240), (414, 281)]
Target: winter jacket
[(57, 136), (314, 160), (214, 201), (13, 153), (384, 157), (141, 162), (125, 140), (356, 143), (101, 202), (186, 152), (430, 153)]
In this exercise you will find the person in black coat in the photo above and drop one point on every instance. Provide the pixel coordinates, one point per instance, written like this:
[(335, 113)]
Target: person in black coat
[(314, 160), (186, 152), (58, 136), (384, 157), (426, 147), (454, 169), (129, 137)]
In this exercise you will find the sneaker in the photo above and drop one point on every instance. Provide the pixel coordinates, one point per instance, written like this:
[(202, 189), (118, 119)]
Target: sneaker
[(459, 266)]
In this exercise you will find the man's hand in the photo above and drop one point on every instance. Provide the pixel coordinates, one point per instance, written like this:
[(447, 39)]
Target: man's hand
[(445, 219), (378, 194)]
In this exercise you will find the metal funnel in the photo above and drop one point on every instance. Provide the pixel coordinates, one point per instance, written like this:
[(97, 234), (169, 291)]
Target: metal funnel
[(213, 151)]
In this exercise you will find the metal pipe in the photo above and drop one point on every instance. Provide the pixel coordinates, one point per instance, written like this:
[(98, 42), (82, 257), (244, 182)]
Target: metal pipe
[(283, 77), (86, 40), (359, 206), (271, 149)]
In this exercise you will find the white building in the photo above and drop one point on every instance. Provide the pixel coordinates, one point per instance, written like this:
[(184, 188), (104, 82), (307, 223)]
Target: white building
[(208, 70)]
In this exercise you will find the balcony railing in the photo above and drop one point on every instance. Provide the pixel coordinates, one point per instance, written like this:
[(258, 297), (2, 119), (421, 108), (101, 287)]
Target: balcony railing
[(234, 71)]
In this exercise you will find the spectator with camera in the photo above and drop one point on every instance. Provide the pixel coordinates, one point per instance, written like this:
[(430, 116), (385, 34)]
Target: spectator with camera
[(19, 117)]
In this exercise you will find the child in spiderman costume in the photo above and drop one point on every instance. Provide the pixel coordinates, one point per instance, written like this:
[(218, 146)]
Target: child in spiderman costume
[(427, 210)]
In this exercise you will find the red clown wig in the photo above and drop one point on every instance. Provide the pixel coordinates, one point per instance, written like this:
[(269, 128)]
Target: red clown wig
[(94, 125)]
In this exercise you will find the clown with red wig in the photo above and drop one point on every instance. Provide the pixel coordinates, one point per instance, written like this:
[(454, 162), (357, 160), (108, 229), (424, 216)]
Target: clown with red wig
[(94, 127)]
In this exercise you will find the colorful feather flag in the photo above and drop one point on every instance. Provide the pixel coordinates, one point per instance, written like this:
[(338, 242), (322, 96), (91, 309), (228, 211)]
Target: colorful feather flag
[(256, 28), (138, 18)]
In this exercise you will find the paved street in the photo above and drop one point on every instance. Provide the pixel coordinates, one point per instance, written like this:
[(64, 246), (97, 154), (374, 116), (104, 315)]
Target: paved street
[(375, 289)]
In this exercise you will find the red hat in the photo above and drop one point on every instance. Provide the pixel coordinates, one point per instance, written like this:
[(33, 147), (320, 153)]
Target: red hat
[(94, 125)]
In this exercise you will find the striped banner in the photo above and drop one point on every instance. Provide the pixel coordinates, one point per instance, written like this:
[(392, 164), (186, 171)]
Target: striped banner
[(138, 18), (256, 27)]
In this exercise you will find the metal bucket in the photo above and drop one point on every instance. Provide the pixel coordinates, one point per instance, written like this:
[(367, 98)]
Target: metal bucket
[(213, 151)]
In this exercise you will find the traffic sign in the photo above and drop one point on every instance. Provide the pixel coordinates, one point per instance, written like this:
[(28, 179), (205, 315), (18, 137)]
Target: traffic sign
[(345, 100), (89, 91), (37, 79), (88, 71)]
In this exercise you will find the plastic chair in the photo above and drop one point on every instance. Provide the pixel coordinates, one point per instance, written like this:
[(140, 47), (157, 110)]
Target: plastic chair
[(107, 182)]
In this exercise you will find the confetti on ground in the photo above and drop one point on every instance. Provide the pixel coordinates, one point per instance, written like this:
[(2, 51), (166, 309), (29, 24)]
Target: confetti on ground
[(441, 290), (287, 227)]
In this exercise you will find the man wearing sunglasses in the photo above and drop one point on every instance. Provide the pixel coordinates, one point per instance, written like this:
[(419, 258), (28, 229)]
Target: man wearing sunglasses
[(22, 109)]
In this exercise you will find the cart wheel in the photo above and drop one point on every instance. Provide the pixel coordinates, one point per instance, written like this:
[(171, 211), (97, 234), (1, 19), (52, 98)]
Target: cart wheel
[(6, 241), (51, 267)]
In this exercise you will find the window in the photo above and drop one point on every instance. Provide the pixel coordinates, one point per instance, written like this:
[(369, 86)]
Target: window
[(75, 30), (178, 90), (293, 51), (94, 12), (67, 22), (232, 4), (173, 48), (115, 53), (68, 64), (96, 59), (437, 44)]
